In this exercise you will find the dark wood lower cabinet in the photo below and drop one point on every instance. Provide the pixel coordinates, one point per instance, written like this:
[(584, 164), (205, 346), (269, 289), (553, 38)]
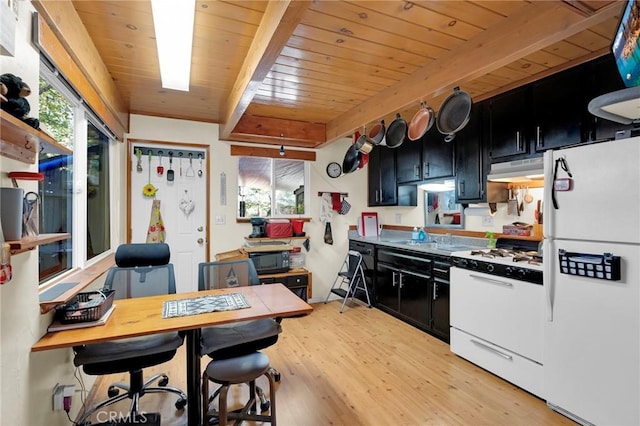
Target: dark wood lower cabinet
[(414, 287)]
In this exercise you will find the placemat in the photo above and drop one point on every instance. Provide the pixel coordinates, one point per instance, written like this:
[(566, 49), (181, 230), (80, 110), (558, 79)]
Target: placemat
[(204, 304)]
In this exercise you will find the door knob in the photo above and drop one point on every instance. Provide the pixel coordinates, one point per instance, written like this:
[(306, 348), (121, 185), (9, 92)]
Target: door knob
[(200, 228), (200, 240)]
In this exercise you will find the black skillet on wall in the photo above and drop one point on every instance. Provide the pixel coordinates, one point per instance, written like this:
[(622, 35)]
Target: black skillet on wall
[(454, 114)]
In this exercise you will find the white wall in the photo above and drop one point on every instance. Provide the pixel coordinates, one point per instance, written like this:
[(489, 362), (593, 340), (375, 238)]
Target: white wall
[(27, 378)]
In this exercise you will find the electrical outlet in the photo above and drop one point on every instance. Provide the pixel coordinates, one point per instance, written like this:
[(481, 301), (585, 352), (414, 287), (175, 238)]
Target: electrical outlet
[(487, 220), (58, 397), (220, 219)]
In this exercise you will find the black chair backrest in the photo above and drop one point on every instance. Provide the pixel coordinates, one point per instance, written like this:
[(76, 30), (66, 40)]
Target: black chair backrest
[(143, 270), (224, 274), (141, 254)]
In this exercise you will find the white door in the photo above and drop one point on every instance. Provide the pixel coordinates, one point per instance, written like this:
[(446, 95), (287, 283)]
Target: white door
[(184, 204)]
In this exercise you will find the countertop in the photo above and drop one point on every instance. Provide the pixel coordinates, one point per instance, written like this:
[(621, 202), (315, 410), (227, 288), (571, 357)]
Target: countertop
[(439, 244)]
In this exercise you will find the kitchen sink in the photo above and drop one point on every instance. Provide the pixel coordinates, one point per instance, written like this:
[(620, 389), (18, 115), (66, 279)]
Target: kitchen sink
[(452, 247), (431, 244)]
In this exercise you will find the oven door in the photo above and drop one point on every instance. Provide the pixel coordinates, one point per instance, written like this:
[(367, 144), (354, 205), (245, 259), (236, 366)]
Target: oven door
[(506, 312)]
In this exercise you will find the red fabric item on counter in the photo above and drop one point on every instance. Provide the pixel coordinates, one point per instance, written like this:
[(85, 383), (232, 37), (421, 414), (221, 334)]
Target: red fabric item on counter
[(336, 201)]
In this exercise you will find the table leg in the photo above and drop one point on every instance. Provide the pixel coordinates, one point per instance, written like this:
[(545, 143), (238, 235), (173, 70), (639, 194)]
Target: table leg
[(194, 412)]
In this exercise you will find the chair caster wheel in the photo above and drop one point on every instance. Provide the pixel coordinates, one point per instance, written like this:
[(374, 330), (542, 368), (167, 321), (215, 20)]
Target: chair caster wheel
[(164, 381), (277, 377), (112, 391), (180, 403), (265, 406)]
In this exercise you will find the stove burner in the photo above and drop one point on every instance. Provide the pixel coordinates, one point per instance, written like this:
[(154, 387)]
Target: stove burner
[(531, 257)]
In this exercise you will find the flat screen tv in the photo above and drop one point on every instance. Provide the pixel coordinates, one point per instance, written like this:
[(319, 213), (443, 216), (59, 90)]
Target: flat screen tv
[(625, 47)]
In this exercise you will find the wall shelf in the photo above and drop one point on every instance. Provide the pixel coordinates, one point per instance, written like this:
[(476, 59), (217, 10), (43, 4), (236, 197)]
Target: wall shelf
[(19, 141), (29, 243)]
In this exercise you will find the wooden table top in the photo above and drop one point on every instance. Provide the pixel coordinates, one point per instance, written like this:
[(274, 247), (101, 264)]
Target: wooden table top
[(143, 315)]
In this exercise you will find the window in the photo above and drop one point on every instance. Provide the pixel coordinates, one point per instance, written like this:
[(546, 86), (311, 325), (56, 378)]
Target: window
[(270, 187), (83, 212)]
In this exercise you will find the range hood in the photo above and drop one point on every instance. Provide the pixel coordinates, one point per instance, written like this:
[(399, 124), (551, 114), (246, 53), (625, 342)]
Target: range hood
[(517, 171)]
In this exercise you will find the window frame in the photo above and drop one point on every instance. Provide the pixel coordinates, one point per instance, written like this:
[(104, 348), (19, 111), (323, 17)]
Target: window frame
[(307, 195), (82, 117)]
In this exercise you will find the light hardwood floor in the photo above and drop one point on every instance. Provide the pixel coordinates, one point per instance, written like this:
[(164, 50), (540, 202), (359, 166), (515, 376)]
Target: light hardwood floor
[(364, 367)]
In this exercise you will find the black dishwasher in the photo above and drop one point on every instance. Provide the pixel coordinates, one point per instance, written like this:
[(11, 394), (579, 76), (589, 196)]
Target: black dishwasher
[(367, 251)]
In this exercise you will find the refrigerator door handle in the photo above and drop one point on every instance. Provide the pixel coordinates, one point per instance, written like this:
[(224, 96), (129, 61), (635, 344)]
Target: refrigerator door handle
[(547, 273), (547, 208)]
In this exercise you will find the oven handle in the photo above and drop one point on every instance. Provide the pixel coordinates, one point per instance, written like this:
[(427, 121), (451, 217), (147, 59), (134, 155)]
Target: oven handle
[(491, 280), (490, 349)]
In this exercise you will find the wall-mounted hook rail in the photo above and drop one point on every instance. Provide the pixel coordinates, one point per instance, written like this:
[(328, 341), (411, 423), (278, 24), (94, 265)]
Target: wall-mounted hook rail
[(159, 152)]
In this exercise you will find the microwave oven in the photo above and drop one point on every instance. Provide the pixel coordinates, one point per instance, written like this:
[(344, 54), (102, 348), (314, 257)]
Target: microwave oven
[(270, 262)]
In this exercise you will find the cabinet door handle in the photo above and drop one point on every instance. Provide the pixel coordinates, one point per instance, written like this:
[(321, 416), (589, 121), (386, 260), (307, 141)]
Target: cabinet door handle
[(461, 187), (377, 200), (426, 169), (400, 283), (381, 195), (539, 143), (490, 349), (518, 140), (416, 170), (435, 291), (393, 278)]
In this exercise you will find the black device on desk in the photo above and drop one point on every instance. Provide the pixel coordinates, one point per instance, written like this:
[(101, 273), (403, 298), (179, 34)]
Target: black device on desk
[(270, 262)]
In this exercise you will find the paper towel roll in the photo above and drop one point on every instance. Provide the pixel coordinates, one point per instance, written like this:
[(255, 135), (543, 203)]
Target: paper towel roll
[(477, 211)]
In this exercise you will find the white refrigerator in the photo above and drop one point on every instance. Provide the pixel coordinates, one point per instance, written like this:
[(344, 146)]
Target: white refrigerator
[(591, 252)]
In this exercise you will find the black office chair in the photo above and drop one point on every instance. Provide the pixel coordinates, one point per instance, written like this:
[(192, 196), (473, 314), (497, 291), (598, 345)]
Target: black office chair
[(142, 270), (237, 343)]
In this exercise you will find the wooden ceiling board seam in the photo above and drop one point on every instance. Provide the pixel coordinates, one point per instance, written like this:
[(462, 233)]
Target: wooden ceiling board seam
[(338, 63), (423, 17), (373, 35), (384, 53), (310, 87), (468, 12), (370, 17), (330, 72), (505, 8)]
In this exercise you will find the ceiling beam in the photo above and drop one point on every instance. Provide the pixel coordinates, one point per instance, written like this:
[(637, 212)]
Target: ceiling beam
[(279, 21), (278, 131), (535, 26)]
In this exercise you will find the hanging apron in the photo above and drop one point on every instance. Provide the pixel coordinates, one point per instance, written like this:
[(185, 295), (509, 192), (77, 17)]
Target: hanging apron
[(156, 232)]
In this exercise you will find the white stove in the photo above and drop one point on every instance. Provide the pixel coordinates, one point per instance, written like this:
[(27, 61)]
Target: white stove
[(497, 311)]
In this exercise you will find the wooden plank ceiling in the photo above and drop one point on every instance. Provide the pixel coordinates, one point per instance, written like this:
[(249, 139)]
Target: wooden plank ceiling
[(306, 73)]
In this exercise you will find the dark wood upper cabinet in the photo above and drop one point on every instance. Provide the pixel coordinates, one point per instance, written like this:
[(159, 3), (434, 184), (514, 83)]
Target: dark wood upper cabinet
[(509, 115), (437, 155), (560, 111), (409, 161), (383, 189), (471, 160)]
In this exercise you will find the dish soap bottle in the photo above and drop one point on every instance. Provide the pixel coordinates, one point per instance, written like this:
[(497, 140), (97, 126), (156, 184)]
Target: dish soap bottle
[(422, 236), (414, 233)]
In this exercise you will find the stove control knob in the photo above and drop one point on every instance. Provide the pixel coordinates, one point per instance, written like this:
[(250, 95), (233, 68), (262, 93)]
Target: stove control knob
[(490, 267), (522, 273), (474, 264), (463, 263), (508, 271)]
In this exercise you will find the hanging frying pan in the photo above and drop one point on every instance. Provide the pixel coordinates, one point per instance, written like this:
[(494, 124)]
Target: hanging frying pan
[(454, 113), (376, 133), (351, 159), (396, 132), (421, 122)]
